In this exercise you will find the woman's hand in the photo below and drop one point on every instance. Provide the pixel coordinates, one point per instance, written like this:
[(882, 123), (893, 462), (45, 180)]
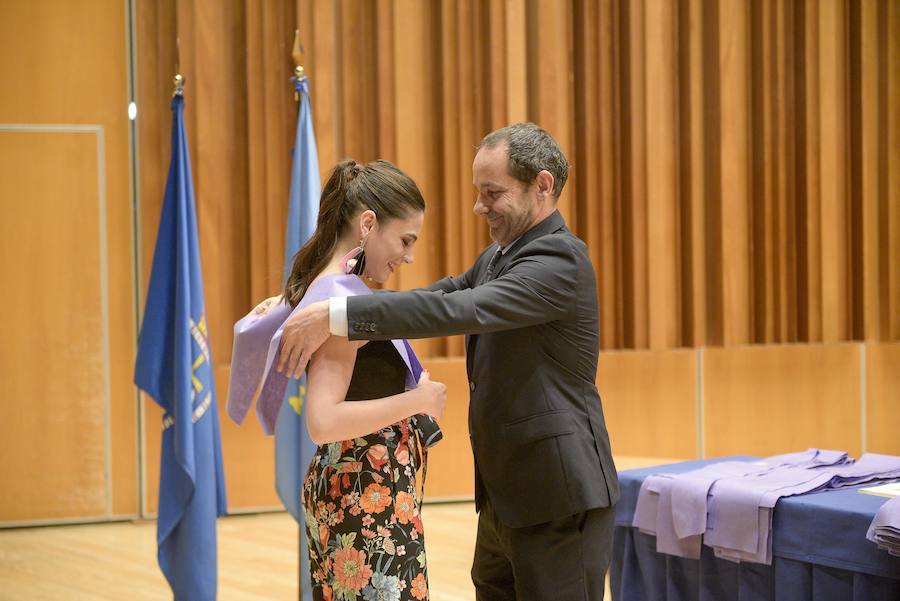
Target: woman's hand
[(434, 396)]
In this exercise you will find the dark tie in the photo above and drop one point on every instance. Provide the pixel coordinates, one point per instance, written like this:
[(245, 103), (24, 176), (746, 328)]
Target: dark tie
[(489, 274)]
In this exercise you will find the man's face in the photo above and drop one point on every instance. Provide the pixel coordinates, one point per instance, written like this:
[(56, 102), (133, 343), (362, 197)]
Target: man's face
[(508, 205)]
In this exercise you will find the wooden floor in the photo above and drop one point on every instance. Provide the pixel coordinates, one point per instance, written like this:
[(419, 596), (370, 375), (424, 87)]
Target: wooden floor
[(257, 557)]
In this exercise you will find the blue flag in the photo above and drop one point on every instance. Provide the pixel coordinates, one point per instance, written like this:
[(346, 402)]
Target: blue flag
[(174, 367), (293, 447)]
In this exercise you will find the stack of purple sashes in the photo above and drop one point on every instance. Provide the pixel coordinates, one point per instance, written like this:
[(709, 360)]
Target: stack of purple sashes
[(257, 341), (728, 506), (885, 528)]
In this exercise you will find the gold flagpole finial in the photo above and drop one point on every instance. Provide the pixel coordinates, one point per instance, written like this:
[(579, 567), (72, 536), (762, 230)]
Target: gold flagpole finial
[(179, 80), (297, 53)]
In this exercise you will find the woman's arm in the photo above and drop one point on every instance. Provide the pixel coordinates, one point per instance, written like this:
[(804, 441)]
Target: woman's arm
[(330, 418)]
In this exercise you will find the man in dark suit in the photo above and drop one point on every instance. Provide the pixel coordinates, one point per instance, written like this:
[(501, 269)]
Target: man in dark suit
[(545, 483)]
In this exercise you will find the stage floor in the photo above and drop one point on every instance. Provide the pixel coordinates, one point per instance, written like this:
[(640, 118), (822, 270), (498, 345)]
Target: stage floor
[(257, 557)]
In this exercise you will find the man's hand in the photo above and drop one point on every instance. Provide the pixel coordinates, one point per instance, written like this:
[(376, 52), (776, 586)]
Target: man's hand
[(303, 334)]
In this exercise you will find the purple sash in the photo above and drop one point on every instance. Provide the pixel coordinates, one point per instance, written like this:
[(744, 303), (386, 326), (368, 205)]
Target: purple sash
[(257, 346)]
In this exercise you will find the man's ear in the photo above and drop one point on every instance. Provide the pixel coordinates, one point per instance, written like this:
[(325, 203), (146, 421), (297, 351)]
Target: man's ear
[(544, 182)]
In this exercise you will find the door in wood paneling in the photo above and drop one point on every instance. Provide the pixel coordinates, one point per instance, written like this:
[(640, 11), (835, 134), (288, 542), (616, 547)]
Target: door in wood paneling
[(54, 384), (68, 427)]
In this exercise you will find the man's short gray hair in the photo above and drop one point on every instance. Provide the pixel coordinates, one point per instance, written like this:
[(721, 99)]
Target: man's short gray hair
[(531, 150)]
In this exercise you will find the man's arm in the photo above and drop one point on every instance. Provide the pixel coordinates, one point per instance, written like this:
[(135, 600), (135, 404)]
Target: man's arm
[(538, 287), (337, 307), (306, 331)]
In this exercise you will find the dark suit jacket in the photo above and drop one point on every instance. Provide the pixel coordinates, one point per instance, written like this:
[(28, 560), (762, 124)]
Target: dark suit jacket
[(535, 420)]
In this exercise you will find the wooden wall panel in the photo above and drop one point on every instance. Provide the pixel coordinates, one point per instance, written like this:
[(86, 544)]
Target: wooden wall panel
[(834, 164), (694, 172), (764, 400), (663, 222), (650, 402), (809, 194), (451, 469), (417, 154), (550, 90), (891, 173), (50, 182), (735, 177), (721, 150), (54, 368), (871, 187), (883, 398)]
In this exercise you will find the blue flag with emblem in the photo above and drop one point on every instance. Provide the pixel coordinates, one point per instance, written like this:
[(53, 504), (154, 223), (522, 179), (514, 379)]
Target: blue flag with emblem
[(174, 367), (293, 447)]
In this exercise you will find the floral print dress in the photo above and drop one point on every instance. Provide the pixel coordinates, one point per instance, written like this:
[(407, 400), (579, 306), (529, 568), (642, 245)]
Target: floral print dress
[(363, 524)]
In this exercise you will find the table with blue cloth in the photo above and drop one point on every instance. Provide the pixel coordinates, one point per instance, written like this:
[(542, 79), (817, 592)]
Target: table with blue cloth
[(819, 549)]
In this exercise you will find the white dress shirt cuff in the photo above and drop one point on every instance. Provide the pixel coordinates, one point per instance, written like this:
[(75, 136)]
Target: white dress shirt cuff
[(337, 316)]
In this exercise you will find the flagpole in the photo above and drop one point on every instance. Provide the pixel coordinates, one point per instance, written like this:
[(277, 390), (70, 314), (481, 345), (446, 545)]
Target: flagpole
[(174, 367), (299, 73)]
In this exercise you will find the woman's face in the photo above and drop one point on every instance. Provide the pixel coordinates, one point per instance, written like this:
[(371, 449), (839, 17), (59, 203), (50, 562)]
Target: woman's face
[(390, 244)]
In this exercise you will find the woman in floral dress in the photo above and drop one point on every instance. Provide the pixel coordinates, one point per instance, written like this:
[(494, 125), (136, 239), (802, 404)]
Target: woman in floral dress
[(360, 494)]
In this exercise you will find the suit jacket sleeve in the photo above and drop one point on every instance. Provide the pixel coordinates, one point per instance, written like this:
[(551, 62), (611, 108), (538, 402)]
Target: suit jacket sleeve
[(537, 287), (452, 283)]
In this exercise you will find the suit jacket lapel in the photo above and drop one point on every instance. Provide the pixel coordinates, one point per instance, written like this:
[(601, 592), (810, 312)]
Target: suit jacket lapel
[(472, 339), (554, 222)]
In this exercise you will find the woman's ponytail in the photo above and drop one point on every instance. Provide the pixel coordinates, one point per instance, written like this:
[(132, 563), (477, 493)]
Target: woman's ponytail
[(312, 258)]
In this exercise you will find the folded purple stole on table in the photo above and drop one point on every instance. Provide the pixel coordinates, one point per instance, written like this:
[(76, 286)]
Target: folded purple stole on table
[(257, 347), (885, 528), (730, 504)]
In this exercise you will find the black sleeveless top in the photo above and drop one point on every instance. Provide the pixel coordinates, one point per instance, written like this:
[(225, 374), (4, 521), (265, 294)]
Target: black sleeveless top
[(379, 372)]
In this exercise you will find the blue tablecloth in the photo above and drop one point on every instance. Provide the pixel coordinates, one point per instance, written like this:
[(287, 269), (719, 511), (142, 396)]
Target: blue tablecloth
[(820, 553)]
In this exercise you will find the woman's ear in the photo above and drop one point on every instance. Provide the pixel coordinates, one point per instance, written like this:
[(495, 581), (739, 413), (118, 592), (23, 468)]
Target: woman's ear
[(367, 222)]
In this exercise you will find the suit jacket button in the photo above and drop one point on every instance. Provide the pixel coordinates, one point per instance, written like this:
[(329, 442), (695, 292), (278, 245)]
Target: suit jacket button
[(472, 386)]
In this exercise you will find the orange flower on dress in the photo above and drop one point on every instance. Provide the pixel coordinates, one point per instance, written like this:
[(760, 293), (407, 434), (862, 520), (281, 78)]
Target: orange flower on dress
[(419, 588), (350, 569), (402, 455), (405, 507), (375, 498), (327, 593), (378, 455), (334, 490), (349, 467)]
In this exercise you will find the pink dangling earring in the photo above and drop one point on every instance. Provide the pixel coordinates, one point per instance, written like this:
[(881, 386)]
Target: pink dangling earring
[(355, 261)]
